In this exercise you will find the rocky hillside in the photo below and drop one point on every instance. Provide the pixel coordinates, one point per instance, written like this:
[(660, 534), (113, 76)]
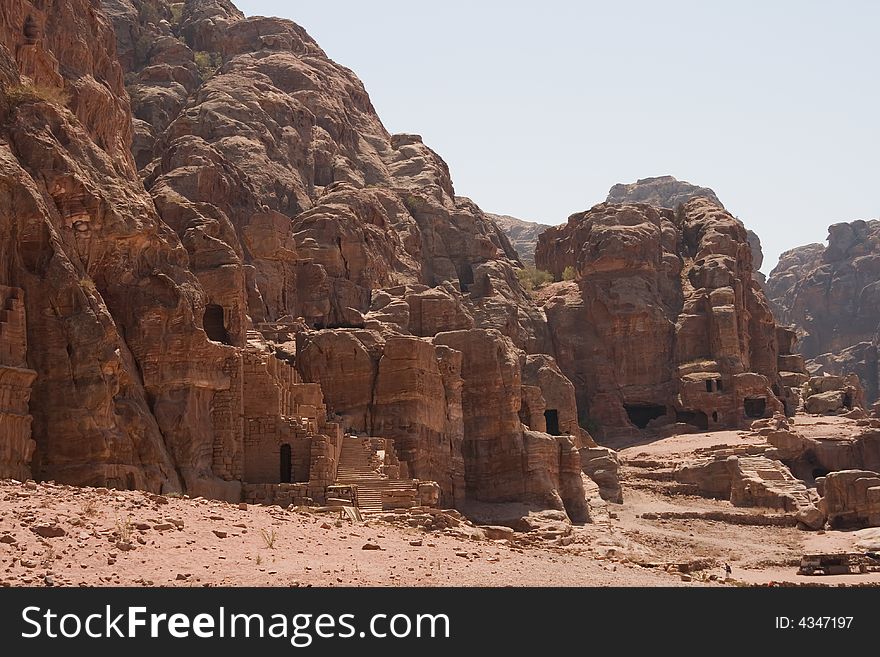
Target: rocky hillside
[(661, 191), (219, 260), (669, 192), (222, 275), (665, 323), (831, 295), (523, 235)]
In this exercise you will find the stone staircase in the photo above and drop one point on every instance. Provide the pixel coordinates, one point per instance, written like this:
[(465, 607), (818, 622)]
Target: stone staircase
[(356, 469), (767, 482)]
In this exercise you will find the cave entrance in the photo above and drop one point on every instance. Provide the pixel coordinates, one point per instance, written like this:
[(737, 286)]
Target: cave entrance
[(820, 472), (641, 414), (285, 476), (465, 277), (848, 400), (551, 415), (214, 325), (697, 419), (755, 406)]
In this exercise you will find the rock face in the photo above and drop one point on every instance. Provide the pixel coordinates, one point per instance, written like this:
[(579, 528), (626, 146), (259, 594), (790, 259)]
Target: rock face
[(16, 445), (523, 235), (851, 498), (750, 481), (831, 295), (661, 191), (222, 271), (832, 394), (664, 322), (669, 192)]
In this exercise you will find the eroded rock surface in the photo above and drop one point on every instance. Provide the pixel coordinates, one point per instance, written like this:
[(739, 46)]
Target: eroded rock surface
[(664, 323), (227, 264), (831, 295)]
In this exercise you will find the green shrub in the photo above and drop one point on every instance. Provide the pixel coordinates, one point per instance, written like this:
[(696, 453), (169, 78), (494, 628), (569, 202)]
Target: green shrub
[(19, 94), (411, 203), (569, 273), (207, 63), (533, 278)]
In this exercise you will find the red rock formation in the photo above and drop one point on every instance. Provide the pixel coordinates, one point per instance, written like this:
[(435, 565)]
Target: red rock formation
[(243, 212), (665, 322), (16, 445), (669, 192), (523, 235), (831, 295)]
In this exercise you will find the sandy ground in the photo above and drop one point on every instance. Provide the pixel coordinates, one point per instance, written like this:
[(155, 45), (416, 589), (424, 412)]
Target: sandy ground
[(54, 535), (265, 546)]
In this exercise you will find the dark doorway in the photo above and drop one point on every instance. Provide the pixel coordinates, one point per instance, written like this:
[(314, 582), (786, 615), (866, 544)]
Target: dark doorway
[(848, 400), (714, 416), (820, 472), (641, 414), (465, 277), (697, 419), (718, 385), (285, 464), (213, 323), (709, 385), (755, 406), (551, 415)]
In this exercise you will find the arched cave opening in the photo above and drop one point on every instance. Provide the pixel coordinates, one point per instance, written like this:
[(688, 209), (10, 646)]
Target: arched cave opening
[(551, 415), (755, 407), (642, 414), (697, 419), (214, 325), (285, 476)]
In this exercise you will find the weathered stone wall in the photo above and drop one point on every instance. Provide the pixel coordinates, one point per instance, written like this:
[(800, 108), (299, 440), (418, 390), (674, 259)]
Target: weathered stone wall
[(16, 444)]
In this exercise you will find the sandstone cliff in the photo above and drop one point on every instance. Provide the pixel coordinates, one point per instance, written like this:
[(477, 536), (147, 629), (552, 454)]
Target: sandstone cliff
[(831, 295), (523, 235), (228, 271), (669, 192), (665, 322)]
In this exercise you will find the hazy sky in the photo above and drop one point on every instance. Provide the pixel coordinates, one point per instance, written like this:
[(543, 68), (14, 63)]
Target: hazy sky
[(540, 107)]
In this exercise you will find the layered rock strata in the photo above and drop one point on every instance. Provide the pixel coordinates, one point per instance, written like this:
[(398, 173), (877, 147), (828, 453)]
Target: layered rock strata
[(664, 322)]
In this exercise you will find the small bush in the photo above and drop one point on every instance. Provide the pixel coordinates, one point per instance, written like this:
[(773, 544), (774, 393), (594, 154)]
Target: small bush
[(89, 508), (411, 203), (123, 530), (19, 94), (569, 273), (268, 537), (533, 278), (207, 63)]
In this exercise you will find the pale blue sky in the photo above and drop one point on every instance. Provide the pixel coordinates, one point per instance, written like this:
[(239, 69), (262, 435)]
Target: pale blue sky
[(540, 107)]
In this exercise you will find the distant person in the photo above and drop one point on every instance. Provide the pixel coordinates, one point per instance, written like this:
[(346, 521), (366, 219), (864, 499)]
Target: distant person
[(727, 570)]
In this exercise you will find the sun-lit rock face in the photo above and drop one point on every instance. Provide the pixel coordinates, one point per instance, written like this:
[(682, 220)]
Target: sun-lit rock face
[(224, 262), (664, 322)]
